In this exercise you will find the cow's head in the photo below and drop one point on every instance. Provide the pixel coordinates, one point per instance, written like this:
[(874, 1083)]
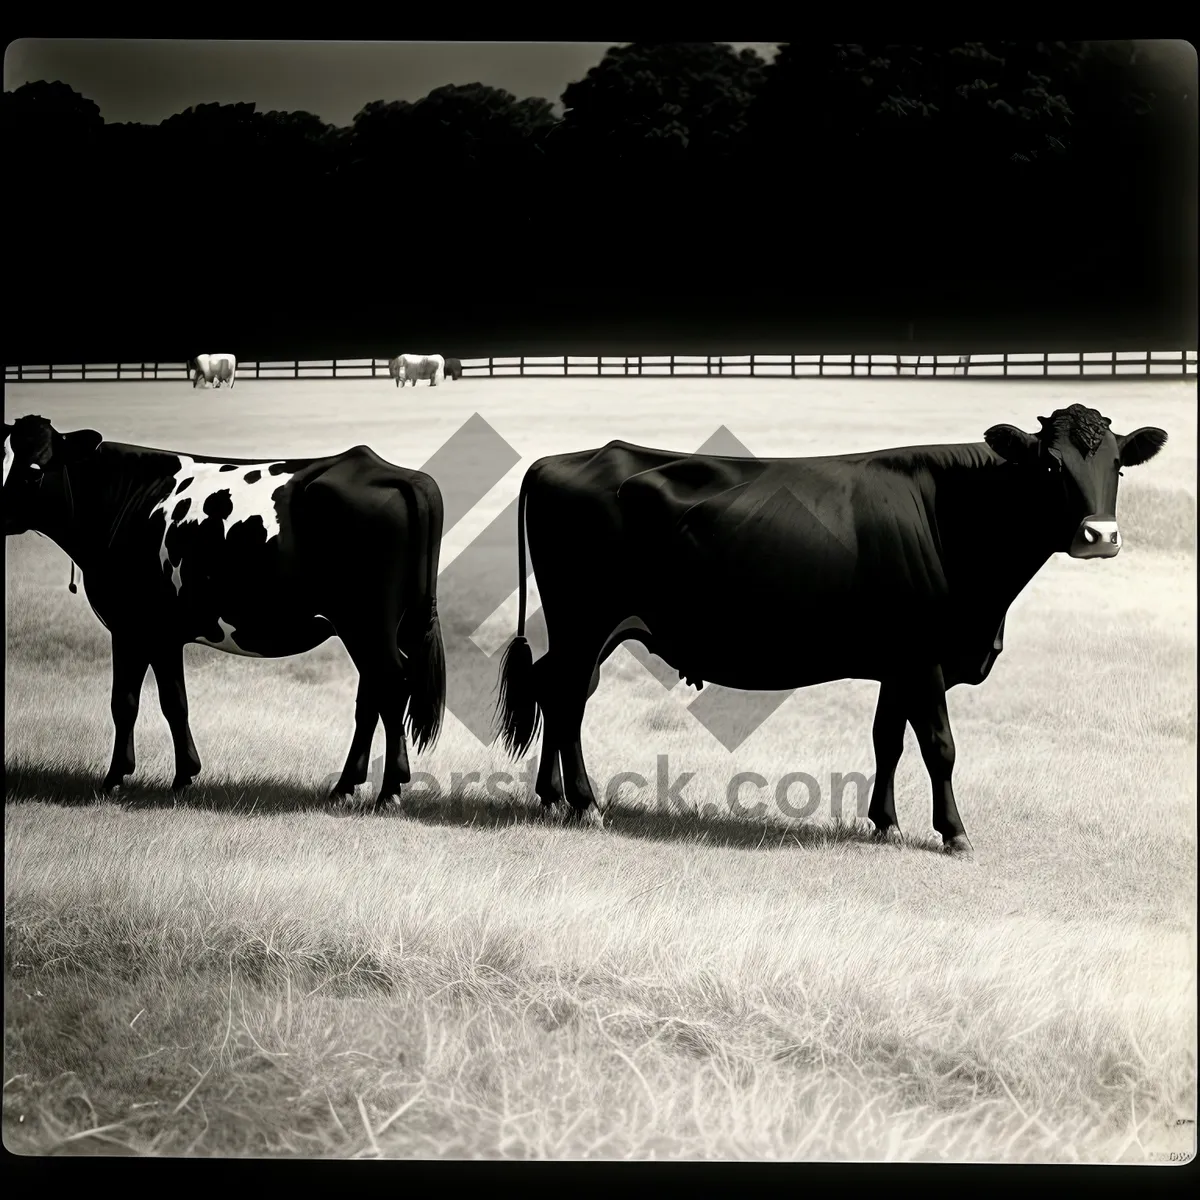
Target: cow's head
[(1075, 461), (33, 450)]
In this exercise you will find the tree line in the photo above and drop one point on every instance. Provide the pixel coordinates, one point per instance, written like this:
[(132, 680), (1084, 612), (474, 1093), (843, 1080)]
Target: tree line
[(684, 191)]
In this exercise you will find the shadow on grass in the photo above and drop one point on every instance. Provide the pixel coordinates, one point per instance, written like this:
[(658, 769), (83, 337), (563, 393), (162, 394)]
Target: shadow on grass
[(72, 787)]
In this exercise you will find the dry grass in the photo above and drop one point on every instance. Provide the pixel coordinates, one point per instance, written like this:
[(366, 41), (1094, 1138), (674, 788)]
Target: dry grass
[(248, 974)]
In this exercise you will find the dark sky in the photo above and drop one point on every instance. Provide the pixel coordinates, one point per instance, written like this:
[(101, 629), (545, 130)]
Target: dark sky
[(150, 80)]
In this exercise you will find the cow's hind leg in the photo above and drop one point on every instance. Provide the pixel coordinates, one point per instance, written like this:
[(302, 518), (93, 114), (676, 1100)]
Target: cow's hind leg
[(888, 736), (130, 663), (549, 785), (571, 686), (381, 672), (571, 675), (366, 718), (928, 715), (167, 662)]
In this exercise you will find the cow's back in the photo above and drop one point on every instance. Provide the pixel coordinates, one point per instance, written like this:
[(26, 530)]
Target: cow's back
[(223, 366)]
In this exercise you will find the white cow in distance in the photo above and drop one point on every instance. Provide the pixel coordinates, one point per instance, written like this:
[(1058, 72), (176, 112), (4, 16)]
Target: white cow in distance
[(213, 368), (404, 367)]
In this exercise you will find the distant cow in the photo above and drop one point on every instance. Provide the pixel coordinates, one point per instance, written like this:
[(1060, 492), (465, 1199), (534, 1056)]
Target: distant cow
[(892, 565), (213, 368), (259, 558), (405, 367), (453, 368)]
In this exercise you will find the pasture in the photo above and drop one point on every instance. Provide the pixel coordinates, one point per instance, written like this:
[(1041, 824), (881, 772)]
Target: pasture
[(248, 973)]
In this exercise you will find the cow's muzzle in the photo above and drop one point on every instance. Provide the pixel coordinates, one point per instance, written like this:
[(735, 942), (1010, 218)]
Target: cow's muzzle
[(1096, 537)]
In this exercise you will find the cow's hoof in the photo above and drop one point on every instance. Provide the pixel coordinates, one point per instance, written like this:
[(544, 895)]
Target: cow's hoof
[(387, 803), (181, 785), (890, 836), (959, 845), (112, 784)]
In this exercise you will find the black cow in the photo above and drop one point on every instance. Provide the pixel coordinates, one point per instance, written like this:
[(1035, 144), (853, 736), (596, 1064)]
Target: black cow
[(453, 368), (265, 559), (894, 565)]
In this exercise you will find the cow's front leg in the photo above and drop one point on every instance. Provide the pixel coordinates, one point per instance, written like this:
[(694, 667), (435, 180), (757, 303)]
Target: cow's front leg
[(930, 719), (130, 661), (887, 734), (167, 662)]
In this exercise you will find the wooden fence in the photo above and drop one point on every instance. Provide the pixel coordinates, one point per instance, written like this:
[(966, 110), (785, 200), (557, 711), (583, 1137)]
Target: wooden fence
[(1169, 363)]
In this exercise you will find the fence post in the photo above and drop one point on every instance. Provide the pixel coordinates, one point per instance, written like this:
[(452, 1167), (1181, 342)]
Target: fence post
[(50, 371), (564, 364), (296, 369), (793, 366), (335, 368), (521, 367), (672, 364)]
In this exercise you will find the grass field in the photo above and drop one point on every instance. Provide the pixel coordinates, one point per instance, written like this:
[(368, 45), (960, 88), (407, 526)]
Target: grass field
[(247, 973)]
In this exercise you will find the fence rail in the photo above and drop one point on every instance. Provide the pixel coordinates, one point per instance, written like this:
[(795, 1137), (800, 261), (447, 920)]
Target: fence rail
[(1169, 363)]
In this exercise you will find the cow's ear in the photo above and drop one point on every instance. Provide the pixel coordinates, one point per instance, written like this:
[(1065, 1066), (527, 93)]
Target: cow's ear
[(73, 447), (1012, 444), (1140, 446)]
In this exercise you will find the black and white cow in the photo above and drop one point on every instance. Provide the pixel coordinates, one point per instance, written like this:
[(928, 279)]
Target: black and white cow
[(259, 558)]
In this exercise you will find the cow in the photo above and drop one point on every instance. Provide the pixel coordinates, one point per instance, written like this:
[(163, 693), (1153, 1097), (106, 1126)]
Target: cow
[(896, 566), (453, 368), (405, 367), (262, 558), (213, 368)]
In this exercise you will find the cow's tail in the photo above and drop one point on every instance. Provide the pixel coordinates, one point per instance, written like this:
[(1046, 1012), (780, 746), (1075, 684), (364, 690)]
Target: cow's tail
[(518, 715), (427, 664)]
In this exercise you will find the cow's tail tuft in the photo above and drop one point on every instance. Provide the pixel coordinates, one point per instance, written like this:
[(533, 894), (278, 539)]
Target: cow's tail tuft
[(518, 715), (427, 700), (427, 662)]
